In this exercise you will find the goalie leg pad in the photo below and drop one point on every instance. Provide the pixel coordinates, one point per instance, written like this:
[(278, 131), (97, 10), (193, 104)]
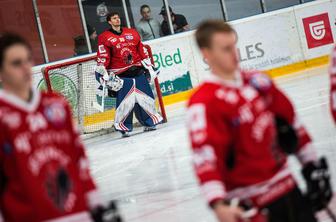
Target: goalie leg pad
[(145, 110), (125, 101), (135, 96)]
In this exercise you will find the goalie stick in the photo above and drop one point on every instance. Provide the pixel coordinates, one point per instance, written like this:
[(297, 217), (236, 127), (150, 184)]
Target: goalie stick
[(101, 107)]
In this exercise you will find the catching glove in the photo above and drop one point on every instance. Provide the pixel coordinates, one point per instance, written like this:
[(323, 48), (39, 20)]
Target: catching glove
[(114, 83), (317, 177), (106, 214), (147, 64)]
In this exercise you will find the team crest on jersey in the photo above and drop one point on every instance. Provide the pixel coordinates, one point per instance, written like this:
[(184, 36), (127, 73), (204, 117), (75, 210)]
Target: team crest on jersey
[(58, 185), (55, 114), (261, 82), (127, 56), (129, 37)]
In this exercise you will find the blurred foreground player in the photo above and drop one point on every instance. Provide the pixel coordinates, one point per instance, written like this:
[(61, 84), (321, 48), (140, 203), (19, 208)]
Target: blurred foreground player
[(242, 128), (44, 173), (124, 67), (332, 72)]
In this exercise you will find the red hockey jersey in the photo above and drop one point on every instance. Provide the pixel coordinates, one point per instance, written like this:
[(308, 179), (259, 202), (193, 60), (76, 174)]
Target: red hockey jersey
[(43, 168), (118, 52), (232, 133), (332, 72)]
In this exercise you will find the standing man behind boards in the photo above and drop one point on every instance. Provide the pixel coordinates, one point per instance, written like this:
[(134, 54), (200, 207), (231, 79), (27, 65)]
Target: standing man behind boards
[(44, 172), (148, 27), (242, 128), (123, 65), (180, 23)]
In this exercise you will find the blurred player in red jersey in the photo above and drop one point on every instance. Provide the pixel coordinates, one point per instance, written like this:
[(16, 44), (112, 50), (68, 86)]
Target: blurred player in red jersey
[(44, 172), (242, 128), (124, 67), (332, 72)]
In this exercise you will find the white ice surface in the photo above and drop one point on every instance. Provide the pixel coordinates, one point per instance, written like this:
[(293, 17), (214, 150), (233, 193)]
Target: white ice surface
[(151, 173)]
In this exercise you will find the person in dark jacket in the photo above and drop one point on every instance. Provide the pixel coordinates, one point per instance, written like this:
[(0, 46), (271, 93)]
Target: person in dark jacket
[(81, 47), (180, 23)]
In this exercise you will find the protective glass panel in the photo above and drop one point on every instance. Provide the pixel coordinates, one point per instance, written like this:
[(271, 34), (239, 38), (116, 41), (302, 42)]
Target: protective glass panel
[(145, 17), (237, 9), (95, 12), (187, 16), (18, 16), (278, 4), (62, 28)]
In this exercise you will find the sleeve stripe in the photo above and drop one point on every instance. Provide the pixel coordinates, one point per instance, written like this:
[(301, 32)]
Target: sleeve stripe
[(297, 123), (82, 216), (213, 190), (307, 153), (93, 199)]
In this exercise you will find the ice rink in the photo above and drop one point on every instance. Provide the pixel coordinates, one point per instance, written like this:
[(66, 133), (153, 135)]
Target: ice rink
[(151, 176)]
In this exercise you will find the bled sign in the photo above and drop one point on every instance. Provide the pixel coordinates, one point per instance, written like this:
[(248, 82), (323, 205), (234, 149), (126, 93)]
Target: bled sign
[(318, 31)]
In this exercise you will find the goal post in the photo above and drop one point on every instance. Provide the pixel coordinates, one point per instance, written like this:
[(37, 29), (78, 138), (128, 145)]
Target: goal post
[(75, 79), (157, 87)]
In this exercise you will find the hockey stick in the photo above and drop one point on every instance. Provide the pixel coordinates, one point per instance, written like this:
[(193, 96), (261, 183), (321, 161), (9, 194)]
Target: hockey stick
[(103, 97), (331, 214), (101, 107)]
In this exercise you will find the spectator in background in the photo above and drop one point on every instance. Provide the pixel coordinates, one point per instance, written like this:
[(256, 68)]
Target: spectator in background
[(81, 47), (93, 38), (148, 27), (180, 23)]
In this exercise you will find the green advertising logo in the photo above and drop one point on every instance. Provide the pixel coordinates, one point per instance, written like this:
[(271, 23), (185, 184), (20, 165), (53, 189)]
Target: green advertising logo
[(64, 85), (162, 61), (177, 85)]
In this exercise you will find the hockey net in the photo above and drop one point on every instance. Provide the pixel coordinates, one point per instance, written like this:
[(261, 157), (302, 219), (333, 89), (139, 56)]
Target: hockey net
[(75, 79)]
